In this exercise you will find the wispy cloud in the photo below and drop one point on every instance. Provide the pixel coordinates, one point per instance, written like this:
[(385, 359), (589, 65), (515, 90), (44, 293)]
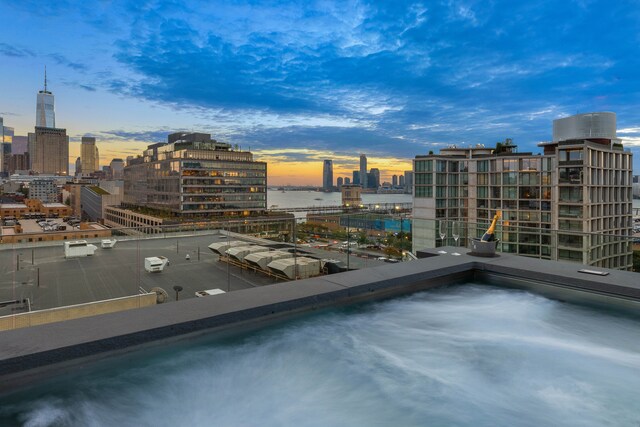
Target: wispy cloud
[(15, 51)]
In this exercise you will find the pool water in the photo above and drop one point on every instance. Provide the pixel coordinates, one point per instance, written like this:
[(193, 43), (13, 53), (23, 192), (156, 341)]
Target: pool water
[(470, 355)]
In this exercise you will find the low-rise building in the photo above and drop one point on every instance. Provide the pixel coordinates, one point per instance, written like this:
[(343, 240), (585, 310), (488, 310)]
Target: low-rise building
[(94, 200), (44, 189), (29, 230), (34, 207)]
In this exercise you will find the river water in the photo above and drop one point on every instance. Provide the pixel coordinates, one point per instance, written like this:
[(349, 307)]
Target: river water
[(468, 355), (296, 199)]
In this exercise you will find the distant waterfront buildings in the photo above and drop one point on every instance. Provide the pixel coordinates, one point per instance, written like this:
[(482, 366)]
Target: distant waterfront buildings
[(580, 186), (373, 179), (363, 172), (339, 182), (327, 175)]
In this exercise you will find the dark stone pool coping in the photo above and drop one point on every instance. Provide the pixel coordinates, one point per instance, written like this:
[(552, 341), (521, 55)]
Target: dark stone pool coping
[(28, 354)]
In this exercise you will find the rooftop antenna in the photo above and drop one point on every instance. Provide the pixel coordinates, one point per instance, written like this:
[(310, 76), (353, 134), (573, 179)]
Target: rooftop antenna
[(45, 78)]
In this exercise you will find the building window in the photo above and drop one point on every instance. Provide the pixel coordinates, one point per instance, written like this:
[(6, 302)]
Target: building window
[(571, 194), (530, 164), (424, 165), (510, 164), (424, 192), (509, 178), (565, 254), (570, 175), (571, 155), (570, 211)]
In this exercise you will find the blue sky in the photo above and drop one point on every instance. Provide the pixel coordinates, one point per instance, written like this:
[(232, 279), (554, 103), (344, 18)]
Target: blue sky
[(300, 81)]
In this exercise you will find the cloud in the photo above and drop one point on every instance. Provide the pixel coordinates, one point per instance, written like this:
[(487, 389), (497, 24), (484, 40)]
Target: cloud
[(146, 136), (63, 60), (435, 74), (15, 51)]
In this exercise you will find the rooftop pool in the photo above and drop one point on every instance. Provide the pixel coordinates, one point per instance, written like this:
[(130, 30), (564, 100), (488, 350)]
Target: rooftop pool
[(466, 355)]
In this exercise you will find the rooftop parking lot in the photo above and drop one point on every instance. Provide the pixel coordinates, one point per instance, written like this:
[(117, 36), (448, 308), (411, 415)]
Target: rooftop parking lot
[(47, 279)]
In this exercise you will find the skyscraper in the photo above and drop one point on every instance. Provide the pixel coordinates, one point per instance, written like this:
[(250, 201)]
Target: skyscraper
[(339, 182), (356, 177), (373, 178), (6, 136), (45, 113), (363, 171), (49, 153), (327, 175), (89, 155)]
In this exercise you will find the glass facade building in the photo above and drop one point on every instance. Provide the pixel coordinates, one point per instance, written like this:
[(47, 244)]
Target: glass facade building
[(193, 176), (327, 175), (566, 204), (363, 172), (45, 112)]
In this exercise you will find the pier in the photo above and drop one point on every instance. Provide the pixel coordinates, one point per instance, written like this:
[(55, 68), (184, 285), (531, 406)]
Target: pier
[(368, 208)]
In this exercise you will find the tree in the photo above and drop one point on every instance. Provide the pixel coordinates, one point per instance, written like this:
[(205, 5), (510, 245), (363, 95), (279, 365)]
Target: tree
[(362, 238)]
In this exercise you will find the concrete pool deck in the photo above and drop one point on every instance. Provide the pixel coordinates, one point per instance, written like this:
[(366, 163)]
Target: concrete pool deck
[(29, 354)]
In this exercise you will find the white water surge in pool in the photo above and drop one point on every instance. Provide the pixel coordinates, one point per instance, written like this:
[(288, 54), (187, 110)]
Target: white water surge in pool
[(464, 356)]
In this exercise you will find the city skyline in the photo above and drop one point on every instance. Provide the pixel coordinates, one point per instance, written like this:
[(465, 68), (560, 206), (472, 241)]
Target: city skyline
[(298, 83)]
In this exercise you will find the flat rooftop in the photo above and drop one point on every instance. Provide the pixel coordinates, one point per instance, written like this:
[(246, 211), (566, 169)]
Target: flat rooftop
[(50, 280)]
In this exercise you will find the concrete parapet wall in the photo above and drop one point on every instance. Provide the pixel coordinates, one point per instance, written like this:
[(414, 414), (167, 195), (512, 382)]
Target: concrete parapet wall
[(29, 354), (59, 314)]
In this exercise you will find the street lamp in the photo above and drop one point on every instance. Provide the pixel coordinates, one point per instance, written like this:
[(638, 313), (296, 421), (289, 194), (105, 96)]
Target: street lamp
[(178, 289), (348, 242)]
